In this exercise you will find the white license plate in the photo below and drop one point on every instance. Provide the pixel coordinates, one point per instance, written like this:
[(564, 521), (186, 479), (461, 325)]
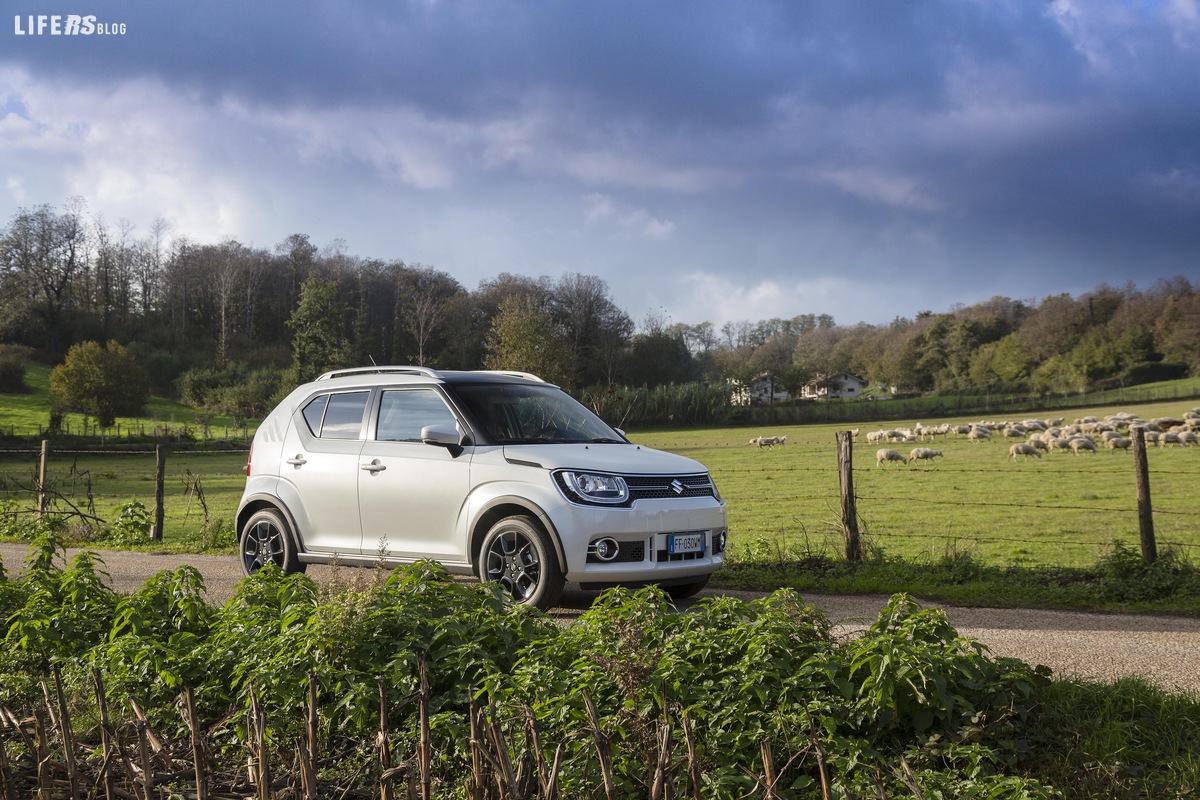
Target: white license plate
[(685, 543)]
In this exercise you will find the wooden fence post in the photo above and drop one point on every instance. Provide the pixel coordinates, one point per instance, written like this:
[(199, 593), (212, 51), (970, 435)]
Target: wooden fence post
[(845, 442), (160, 471), (1141, 469), (43, 497)]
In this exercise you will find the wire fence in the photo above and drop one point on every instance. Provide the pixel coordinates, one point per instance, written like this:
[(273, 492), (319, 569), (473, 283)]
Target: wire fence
[(1058, 509)]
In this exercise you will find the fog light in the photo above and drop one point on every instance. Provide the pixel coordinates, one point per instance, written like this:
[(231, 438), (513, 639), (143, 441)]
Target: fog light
[(719, 542), (605, 549)]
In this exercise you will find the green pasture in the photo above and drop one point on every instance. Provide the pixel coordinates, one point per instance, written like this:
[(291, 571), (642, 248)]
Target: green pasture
[(28, 415), (1061, 510), (200, 489)]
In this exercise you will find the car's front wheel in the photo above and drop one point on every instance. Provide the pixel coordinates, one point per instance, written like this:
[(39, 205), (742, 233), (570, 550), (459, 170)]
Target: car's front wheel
[(518, 554), (266, 540)]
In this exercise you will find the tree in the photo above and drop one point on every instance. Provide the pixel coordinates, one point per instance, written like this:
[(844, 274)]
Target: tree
[(42, 259), (525, 338), (657, 358), (595, 329), (102, 382), (423, 294), (318, 344)]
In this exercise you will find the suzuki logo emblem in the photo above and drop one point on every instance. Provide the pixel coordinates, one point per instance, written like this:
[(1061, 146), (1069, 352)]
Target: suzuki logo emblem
[(677, 486)]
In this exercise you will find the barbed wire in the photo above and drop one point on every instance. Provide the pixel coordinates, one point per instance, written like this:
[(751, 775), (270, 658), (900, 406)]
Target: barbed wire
[(1035, 506), (984, 539)]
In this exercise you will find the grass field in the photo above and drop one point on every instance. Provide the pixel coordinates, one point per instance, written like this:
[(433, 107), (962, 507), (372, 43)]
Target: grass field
[(1059, 510), (28, 414)]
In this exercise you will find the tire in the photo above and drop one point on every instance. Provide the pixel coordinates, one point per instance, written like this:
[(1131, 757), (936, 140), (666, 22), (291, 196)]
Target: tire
[(518, 554), (265, 539), (681, 591)]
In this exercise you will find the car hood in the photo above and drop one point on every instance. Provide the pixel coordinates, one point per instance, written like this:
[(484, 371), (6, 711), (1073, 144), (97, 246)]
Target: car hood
[(624, 458)]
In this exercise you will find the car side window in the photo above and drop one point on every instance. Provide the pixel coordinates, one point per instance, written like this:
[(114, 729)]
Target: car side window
[(404, 412), (343, 415), (314, 412)]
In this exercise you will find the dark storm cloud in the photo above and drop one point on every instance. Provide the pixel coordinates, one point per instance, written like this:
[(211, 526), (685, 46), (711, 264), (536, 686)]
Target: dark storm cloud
[(1028, 143)]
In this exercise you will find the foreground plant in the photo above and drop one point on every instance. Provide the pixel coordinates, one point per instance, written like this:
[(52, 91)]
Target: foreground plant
[(729, 699)]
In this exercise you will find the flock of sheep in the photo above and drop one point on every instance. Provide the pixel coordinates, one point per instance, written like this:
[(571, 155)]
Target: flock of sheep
[(768, 441), (1037, 436)]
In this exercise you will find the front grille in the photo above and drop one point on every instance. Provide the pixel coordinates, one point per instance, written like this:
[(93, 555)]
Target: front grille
[(645, 487)]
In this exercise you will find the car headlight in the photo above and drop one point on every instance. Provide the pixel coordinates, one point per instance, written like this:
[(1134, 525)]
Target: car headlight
[(597, 488)]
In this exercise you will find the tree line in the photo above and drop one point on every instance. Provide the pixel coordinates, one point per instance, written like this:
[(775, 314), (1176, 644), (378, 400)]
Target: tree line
[(224, 324)]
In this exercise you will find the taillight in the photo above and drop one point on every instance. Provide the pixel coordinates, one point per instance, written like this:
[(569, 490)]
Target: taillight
[(249, 458)]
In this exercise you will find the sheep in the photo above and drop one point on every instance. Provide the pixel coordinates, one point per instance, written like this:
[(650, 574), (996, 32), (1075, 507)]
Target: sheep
[(1082, 443), (979, 435), (884, 454), (1118, 443), (1167, 438), (923, 454), (1022, 449), (768, 441), (1188, 437)]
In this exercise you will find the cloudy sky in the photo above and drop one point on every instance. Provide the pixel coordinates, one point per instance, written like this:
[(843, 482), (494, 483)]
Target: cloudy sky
[(711, 160)]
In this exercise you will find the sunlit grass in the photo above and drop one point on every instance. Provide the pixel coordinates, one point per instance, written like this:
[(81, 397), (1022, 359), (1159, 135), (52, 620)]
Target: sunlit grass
[(1061, 509)]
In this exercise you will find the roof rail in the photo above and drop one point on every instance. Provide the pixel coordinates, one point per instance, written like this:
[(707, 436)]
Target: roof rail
[(512, 373), (337, 373)]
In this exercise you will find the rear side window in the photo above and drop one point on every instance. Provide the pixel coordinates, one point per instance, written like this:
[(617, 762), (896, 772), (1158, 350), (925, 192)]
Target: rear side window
[(314, 412), (336, 416), (403, 413)]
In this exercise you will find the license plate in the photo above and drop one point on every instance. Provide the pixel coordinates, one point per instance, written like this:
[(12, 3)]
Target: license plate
[(685, 543)]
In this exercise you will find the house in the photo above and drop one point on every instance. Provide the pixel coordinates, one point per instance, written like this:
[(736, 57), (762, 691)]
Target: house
[(834, 386), (764, 389)]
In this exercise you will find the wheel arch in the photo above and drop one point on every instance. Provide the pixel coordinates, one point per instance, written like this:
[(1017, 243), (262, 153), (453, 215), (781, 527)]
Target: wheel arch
[(501, 507), (260, 502)]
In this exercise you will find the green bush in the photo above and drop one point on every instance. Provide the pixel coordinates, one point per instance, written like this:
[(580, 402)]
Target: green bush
[(131, 525), (101, 381), (13, 360)]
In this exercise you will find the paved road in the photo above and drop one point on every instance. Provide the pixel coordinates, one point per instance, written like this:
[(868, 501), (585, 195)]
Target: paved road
[(1162, 649)]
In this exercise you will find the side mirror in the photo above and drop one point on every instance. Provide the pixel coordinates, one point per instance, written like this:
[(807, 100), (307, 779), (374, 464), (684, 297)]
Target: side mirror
[(445, 437)]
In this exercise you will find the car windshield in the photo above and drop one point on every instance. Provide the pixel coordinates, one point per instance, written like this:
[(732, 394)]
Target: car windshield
[(530, 414)]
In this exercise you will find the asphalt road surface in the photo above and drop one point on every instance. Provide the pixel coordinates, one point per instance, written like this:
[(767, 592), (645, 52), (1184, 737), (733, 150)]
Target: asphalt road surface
[(1162, 649)]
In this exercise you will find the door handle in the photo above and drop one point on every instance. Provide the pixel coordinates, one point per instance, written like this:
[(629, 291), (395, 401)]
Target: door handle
[(298, 461), (374, 467)]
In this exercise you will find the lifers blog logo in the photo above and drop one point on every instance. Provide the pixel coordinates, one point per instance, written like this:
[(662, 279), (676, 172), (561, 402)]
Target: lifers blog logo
[(65, 25)]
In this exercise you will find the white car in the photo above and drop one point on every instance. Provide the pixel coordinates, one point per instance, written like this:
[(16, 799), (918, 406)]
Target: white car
[(495, 474)]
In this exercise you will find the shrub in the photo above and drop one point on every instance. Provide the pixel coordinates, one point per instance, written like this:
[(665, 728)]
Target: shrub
[(13, 361), (100, 381), (132, 525)]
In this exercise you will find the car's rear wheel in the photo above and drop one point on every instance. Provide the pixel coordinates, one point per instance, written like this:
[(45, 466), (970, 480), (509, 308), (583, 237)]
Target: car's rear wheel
[(266, 540), (519, 555), (681, 591)]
